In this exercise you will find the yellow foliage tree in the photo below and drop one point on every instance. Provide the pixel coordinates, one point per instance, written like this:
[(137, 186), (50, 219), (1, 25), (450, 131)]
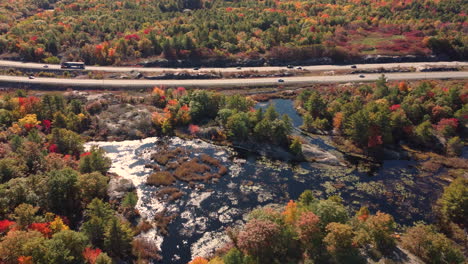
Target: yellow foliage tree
[(29, 120), (337, 121), (290, 212), (57, 225)]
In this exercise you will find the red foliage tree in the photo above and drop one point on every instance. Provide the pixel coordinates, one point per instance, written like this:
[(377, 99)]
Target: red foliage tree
[(25, 260), (132, 37), (47, 125), (43, 228), (85, 154), (447, 125), (258, 237), (194, 129), (5, 225), (53, 148), (90, 255), (307, 227), (395, 107)]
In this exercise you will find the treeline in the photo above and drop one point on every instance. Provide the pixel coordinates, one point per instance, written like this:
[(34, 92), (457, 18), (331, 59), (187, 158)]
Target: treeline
[(114, 32), (235, 114), (426, 114), (322, 231), (54, 206)]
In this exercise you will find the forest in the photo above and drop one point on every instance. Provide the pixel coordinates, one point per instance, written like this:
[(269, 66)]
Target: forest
[(427, 115), (277, 32), (55, 207), (311, 230), (53, 193)]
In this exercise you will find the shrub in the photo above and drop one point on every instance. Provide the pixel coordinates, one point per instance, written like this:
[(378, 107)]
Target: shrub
[(454, 146), (145, 249), (160, 178)]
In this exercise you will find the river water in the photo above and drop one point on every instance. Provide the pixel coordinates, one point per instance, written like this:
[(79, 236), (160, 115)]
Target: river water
[(254, 181)]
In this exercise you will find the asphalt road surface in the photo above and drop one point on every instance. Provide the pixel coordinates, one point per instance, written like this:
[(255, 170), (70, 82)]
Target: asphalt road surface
[(252, 82), (37, 66)]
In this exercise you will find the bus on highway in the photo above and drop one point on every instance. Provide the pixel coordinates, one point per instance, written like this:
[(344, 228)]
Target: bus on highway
[(72, 65)]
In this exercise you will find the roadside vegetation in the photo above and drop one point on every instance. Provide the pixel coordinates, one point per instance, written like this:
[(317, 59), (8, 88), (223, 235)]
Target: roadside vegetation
[(213, 32)]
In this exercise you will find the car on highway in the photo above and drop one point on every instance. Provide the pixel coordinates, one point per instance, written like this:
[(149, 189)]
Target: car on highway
[(196, 68), (361, 76), (31, 77), (289, 66), (280, 80), (299, 68), (238, 67), (46, 66)]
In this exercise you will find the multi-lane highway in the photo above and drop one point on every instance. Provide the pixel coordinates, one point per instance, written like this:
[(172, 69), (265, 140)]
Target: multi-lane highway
[(37, 66), (301, 80)]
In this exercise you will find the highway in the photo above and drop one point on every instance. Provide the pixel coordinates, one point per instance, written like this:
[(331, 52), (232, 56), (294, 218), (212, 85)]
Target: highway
[(252, 82), (38, 66)]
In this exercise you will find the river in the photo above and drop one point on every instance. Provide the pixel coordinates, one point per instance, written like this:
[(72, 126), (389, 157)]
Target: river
[(254, 181)]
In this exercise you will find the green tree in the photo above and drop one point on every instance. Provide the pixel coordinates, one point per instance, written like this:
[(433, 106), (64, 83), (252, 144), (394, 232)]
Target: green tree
[(238, 126), (424, 133), (13, 167), (454, 146), (118, 238), (66, 247), (96, 161), (454, 201), (103, 258), (330, 211), (63, 192), (92, 185), (60, 121), (97, 215), (25, 214), (296, 147), (68, 142)]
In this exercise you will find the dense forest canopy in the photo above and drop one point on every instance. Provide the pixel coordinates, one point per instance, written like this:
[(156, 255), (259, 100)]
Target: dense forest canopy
[(113, 32)]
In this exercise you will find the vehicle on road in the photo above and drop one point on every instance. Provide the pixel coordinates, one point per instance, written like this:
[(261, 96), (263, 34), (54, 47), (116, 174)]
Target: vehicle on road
[(31, 77), (353, 66), (289, 67), (238, 67), (361, 76), (72, 65), (280, 80), (299, 68), (196, 68), (45, 66)]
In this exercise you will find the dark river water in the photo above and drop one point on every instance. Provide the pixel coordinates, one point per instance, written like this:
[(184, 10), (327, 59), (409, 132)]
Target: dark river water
[(254, 181)]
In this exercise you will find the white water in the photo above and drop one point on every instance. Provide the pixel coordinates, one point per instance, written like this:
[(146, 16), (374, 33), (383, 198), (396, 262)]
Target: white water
[(128, 161)]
